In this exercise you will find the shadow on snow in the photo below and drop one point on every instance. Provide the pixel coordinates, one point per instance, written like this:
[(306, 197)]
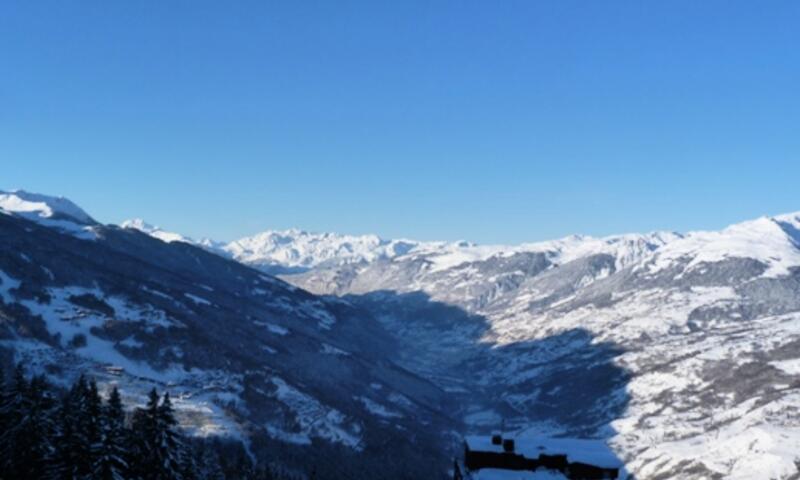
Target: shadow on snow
[(565, 384)]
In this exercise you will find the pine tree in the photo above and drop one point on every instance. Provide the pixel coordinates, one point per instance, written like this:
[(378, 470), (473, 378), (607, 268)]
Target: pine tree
[(110, 461), (93, 416), (27, 448), (144, 432), (74, 457), (66, 461), (94, 442), (159, 450), (189, 461), (12, 406), (168, 443), (208, 465)]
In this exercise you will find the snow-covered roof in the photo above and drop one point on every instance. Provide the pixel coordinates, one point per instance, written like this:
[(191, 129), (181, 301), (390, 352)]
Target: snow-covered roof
[(592, 452), (497, 474)]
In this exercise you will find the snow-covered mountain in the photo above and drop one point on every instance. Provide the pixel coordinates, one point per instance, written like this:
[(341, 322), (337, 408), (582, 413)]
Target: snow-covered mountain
[(294, 250), (300, 250), (682, 351), (154, 231), (37, 206), (243, 354), (54, 212)]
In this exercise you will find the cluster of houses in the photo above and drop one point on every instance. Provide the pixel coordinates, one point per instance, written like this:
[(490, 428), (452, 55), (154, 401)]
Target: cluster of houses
[(497, 458)]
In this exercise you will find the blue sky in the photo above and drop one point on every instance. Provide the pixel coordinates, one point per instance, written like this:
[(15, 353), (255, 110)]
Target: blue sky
[(488, 121)]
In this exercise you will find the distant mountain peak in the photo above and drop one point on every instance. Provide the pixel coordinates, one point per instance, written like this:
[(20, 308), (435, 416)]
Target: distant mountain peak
[(295, 248), (773, 241), (154, 231)]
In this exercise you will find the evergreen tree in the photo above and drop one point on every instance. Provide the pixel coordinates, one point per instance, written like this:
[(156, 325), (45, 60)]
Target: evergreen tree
[(3, 418), (168, 441), (66, 439), (93, 441), (189, 468), (159, 451), (143, 426), (93, 417), (74, 455), (13, 405), (110, 460), (208, 465), (27, 449)]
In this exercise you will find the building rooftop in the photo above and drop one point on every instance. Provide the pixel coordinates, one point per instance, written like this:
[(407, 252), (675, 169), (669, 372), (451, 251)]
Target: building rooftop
[(498, 474), (592, 452)]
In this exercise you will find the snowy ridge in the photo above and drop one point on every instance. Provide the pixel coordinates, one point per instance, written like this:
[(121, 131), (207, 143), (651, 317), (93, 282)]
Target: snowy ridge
[(626, 249), (678, 350), (241, 352), (303, 250), (774, 242), (154, 231), (300, 249), (702, 329), (36, 206), (52, 212)]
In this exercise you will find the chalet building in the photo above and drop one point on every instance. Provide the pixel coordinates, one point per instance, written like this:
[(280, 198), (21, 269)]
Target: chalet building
[(486, 457)]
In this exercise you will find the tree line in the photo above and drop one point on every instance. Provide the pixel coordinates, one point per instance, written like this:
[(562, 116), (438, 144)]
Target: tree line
[(51, 434)]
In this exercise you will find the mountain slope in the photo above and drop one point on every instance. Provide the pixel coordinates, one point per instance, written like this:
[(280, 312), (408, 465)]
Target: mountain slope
[(691, 340), (244, 354), (680, 350), (299, 250), (54, 212)]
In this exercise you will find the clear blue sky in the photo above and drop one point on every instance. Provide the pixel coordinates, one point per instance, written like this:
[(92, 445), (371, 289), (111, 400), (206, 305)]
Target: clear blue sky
[(488, 121)]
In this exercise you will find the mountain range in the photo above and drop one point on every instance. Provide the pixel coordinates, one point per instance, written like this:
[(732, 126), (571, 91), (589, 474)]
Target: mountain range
[(681, 350)]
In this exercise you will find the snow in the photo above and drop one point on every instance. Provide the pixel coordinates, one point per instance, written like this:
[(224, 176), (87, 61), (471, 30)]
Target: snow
[(773, 240), (792, 367), (331, 350), (483, 417), (399, 399), (316, 309), (157, 293), (742, 448), (300, 249), (57, 213), (197, 300), (131, 342), (497, 474), (313, 419), (376, 408), (66, 320), (154, 231), (33, 205), (765, 239), (276, 329), (288, 437), (627, 249), (6, 285)]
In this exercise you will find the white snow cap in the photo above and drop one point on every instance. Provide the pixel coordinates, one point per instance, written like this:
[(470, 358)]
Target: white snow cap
[(37, 206), (154, 231), (298, 248), (774, 241)]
